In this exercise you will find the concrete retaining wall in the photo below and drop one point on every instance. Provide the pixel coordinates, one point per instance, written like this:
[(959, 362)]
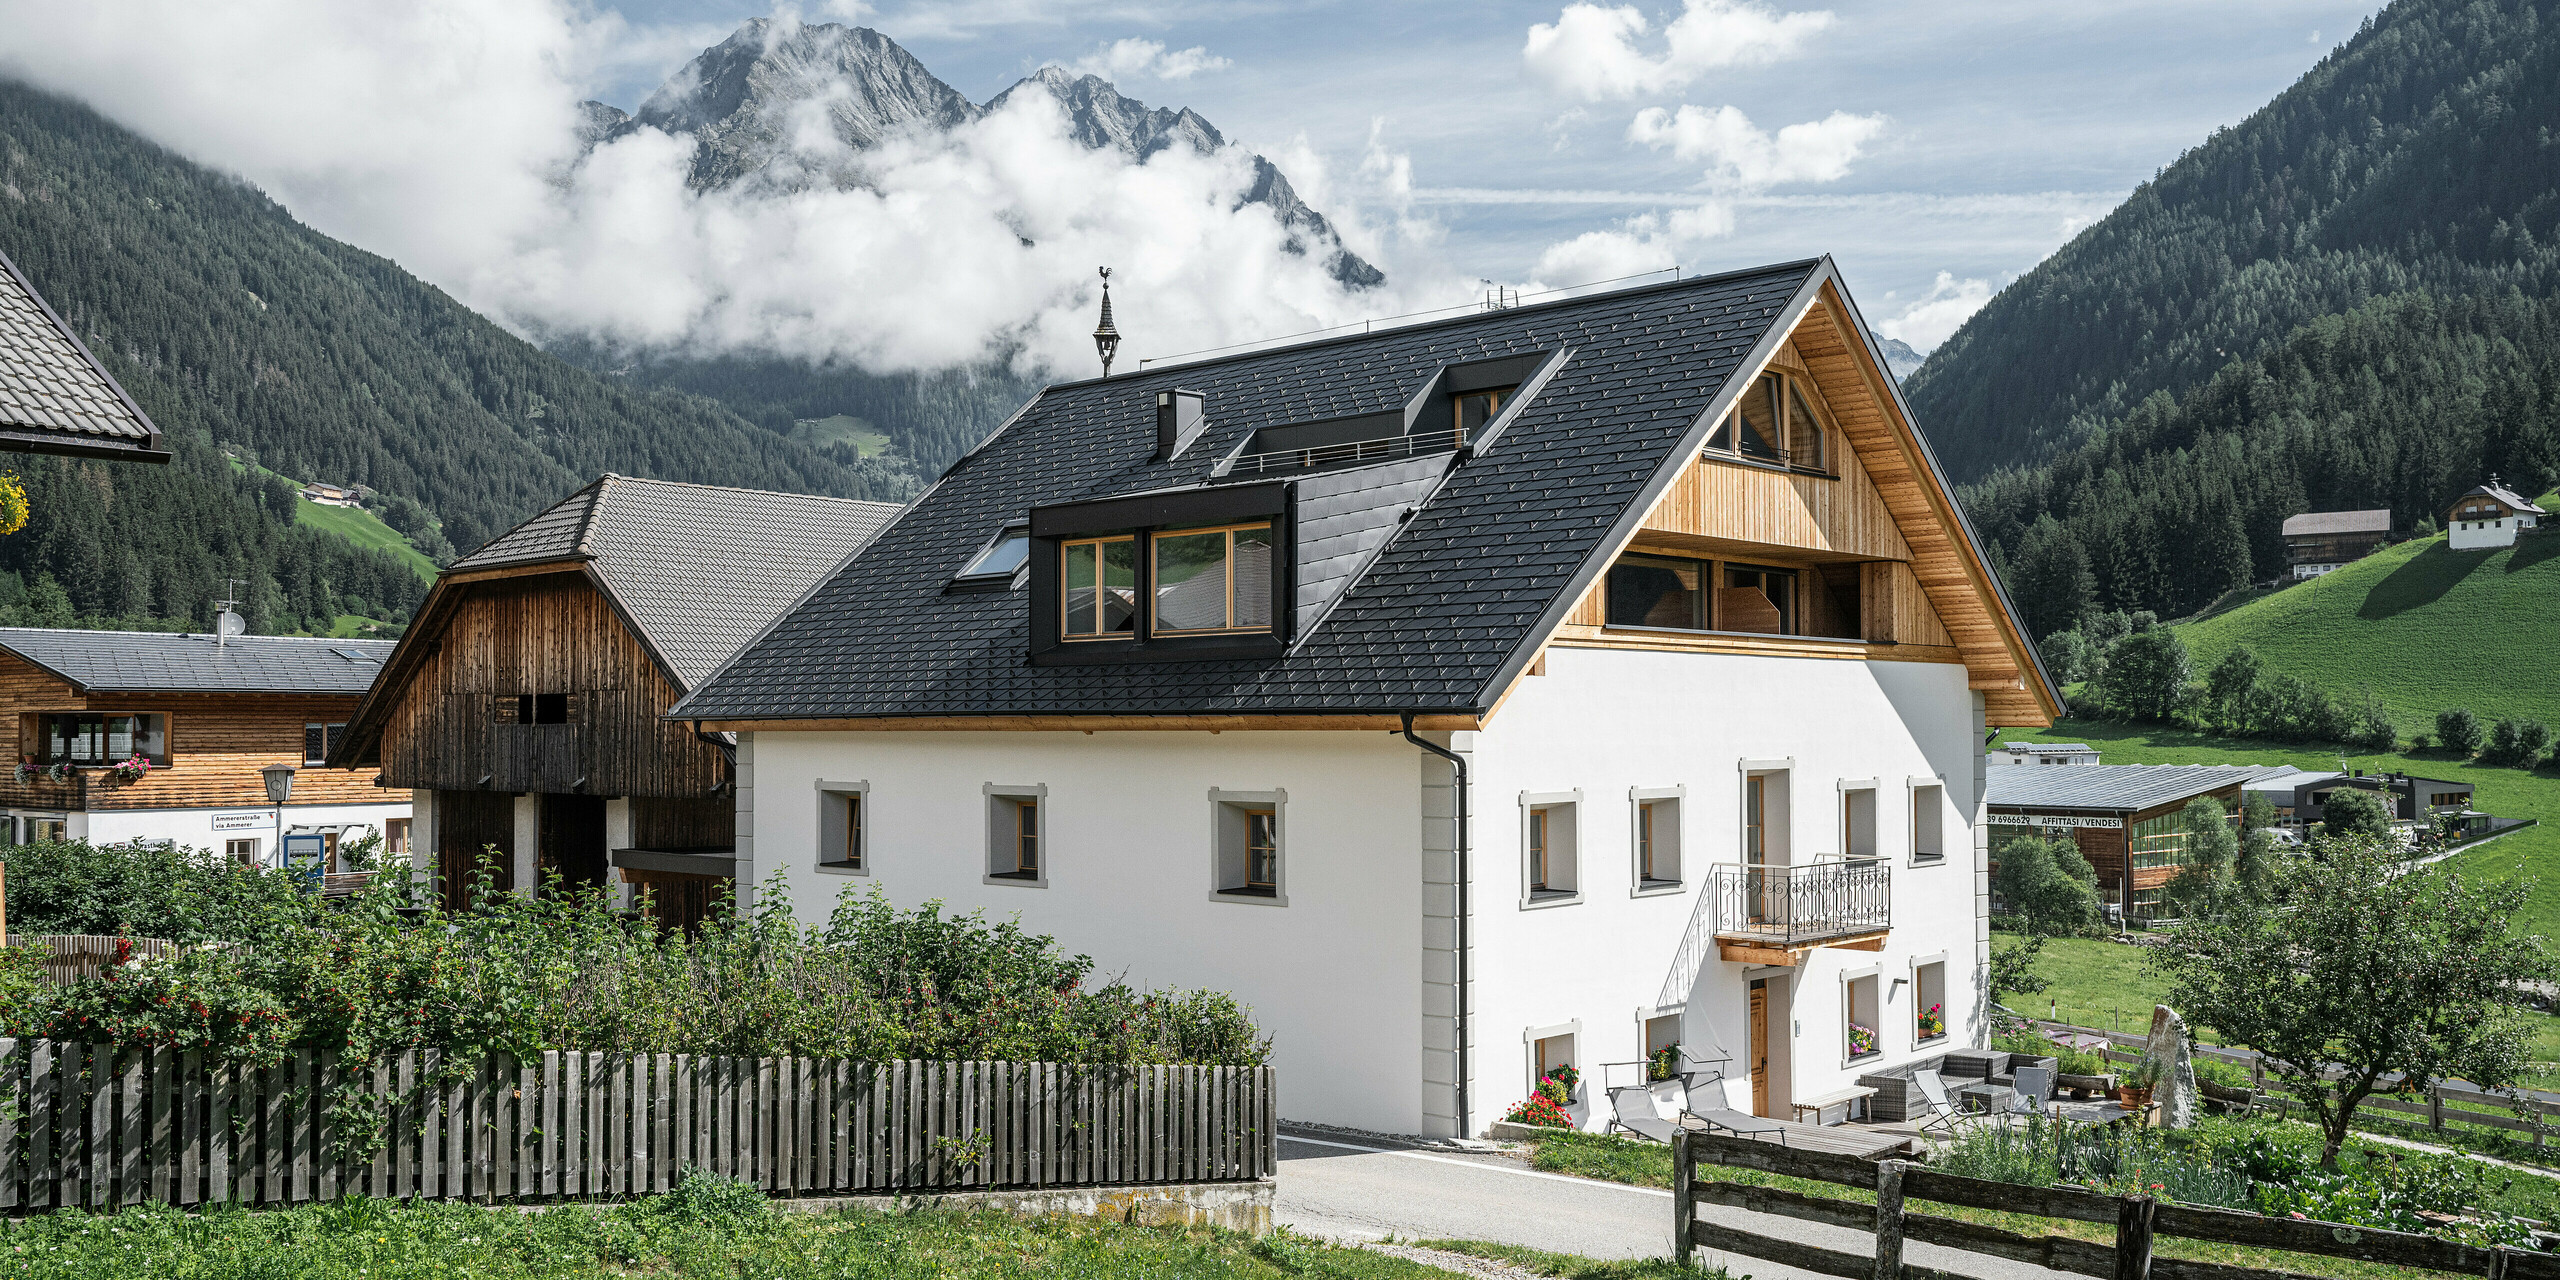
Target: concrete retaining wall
[(1237, 1206)]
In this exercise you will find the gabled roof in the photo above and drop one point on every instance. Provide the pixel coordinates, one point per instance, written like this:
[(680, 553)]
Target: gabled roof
[(697, 569), (2503, 494), (1444, 574), (54, 396), (2313, 523), (2128, 787), (160, 662)]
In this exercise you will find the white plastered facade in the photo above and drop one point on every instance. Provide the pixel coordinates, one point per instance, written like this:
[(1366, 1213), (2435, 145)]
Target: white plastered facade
[(1351, 973), (213, 828)]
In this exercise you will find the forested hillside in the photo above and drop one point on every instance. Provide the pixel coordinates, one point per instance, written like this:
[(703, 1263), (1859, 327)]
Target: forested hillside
[(2421, 156), (2404, 402), (238, 328)]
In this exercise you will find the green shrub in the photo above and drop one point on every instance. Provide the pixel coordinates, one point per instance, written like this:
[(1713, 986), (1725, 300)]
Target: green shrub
[(2460, 732), (2353, 811), (2519, 743), (2047, 885), (142, 891)]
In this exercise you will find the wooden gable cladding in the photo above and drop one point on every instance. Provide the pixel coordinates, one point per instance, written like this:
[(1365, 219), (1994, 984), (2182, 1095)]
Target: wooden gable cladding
[(217, 744), (1959, 586), (451, 721), (1733, 506)]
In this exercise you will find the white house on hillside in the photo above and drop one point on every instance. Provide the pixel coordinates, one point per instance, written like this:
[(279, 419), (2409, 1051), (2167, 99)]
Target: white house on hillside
[(1544, 686), (2490, 515)]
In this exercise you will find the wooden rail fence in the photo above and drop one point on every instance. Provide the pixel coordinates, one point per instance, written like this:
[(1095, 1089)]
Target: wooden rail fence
[(94, 1127), (2137, 1219), (2440, 1103)]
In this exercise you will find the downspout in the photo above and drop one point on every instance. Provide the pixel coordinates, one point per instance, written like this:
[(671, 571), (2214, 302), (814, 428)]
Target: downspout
[(1465, 1057)]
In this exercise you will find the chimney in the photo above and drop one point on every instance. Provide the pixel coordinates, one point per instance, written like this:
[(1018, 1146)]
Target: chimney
[(1179, 416)]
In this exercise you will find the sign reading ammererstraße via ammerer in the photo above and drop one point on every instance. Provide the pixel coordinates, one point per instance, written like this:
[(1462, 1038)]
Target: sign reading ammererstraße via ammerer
[(253, 820)]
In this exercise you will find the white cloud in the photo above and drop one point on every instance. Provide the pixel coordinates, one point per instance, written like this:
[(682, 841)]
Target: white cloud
[(442, 134), (1593, 51), (1742, 155), (1646, 242), (1939, 313), (1135, 59)]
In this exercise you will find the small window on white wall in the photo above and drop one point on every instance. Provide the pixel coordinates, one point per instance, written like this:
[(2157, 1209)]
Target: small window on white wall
[(1017, 834), (1250, 839), (843, 813), (1653, 824), (1555, 1052), (1662, 1047), (1858, 819), (1862, 1014), (1928, 821), (1550, 845), (1929, 1000)]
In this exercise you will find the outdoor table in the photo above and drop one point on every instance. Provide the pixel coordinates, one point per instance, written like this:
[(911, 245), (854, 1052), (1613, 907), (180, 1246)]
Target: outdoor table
[(2089, 1113), (1980, 1099)]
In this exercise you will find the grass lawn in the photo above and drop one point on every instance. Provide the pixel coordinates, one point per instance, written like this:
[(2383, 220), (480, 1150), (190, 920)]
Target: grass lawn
[(868, 441), (2425, 627), (349, 626), (721, 1235), (363, 528), (1648, 1164)]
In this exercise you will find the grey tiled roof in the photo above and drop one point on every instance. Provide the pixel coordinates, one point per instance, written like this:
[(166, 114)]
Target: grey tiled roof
[(55, 398), (1429, 617), (699, 568), (159, 662), (2493, 489), (2108, 786), (2310, 523)]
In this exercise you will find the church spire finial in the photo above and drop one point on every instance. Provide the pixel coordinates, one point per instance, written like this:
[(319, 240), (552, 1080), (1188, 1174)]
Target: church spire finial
[(1106, 338)]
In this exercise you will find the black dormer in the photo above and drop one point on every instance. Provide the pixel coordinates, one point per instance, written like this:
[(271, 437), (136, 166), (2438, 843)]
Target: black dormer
[(1165, 576)]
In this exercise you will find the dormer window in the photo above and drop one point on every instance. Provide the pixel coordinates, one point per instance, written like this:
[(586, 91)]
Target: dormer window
[(1774, 422), (1473, 409), (1213, 580)]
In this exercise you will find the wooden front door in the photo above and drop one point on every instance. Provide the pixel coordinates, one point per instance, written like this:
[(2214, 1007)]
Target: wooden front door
[(475, 837), (1760, 1047)]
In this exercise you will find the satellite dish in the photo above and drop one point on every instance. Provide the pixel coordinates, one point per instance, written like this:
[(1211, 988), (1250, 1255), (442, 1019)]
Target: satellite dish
[(229, 624)]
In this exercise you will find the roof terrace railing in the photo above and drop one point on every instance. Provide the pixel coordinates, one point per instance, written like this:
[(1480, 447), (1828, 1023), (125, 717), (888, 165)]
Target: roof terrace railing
[(1326, 455)]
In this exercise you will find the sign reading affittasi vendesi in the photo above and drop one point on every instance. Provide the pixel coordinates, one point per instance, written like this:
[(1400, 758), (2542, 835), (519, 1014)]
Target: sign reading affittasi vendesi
[(2051, 820)]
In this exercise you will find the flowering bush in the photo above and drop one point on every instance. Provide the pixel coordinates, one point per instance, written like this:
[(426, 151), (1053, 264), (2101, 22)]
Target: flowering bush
[(131, 769), (1862, 1040), (1933, 1021), (1662, 1063), (1537, 1109), (1557, 1086)]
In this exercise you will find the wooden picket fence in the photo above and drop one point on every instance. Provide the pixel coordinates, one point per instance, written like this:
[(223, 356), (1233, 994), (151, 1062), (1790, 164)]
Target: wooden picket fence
[(69, 957), (2138, 1221), (94, 1127)]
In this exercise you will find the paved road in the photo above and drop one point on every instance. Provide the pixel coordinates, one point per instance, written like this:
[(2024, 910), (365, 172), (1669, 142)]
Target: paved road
[(1345, 1191)]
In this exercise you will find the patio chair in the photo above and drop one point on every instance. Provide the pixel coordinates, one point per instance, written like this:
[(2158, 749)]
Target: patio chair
[(1704, 1101), (1636, 1113), (1941, 1111), (2032, 1092)]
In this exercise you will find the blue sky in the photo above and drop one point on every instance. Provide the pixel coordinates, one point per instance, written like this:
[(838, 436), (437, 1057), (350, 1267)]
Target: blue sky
[(2006, 126)]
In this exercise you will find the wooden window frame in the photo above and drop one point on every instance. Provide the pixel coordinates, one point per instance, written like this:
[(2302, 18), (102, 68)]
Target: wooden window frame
[(1155, 576), (1458, 409), (43, 741), (1789, 385), (1231, 846), (1066, 598)]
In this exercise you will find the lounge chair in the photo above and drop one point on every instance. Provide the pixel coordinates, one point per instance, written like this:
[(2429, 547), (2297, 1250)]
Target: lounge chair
[(1942, 1112), (1704, 1101), (2030, 1094), (1635, 1112)]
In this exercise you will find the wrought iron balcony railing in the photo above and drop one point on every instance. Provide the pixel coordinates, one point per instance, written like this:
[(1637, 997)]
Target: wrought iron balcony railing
[(1803, 906)]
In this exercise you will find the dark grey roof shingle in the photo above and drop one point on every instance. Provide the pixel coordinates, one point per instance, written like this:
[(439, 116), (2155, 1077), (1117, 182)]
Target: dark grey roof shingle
[(54, 397), (1428, 626), (159, 662), (700, 568)]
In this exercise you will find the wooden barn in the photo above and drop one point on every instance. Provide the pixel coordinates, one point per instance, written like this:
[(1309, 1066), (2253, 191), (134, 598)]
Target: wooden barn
[(524, 706)]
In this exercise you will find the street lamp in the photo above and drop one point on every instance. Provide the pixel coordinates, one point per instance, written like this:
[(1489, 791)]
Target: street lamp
[(279, 789)]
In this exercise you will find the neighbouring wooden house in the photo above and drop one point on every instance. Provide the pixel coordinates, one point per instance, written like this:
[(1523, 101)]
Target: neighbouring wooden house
[(54, 396), (2490, 515), (2124, 818), (2318, 542), (524, 704), (202, 718)]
